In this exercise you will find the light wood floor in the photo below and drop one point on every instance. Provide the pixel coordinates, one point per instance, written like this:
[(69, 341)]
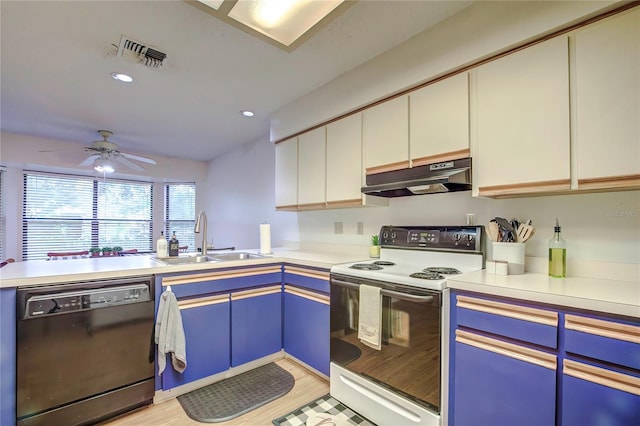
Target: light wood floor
[(307, 388)]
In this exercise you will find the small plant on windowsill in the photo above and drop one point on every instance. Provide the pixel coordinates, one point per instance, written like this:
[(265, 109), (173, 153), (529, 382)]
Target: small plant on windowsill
[(116, 250), (95, 251), (374, 250), (106, 251)]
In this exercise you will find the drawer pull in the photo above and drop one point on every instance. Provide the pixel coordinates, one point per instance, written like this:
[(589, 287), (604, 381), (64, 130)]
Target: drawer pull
[(256, 292), (203, 301), (538, 316), (219, 275), (602, 377), (307, 294), (518, 352), (613, 330), (307, 272)]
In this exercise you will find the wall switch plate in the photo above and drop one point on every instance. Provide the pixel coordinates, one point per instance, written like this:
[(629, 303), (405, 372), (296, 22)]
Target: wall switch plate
[(337, 227), (360, 228)]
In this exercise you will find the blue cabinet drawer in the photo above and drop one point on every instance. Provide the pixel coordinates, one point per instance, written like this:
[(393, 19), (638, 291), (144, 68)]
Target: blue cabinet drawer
[(222, 280), (500, 383), (597, 396), (604, 340), (532, 325), (312, 279)]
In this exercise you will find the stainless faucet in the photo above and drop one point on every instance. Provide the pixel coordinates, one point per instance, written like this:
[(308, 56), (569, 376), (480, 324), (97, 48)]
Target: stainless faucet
[(201, 221)]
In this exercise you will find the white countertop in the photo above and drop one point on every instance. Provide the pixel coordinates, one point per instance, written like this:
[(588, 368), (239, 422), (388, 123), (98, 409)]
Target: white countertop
[(43, 272), (609, 296), (615, 297)]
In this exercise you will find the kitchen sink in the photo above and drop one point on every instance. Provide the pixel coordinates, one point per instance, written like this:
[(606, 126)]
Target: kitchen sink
[(187, 260), (237, 256)]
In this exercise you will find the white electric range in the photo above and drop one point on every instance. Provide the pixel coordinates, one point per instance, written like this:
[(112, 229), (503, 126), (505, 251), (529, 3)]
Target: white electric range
[(404, 381)]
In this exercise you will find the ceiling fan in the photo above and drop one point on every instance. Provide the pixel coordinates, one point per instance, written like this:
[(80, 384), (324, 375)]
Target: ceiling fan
[(104, 152)]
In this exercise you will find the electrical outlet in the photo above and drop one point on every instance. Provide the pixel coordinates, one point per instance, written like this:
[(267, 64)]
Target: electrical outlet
[(359, 228), (337, 227)]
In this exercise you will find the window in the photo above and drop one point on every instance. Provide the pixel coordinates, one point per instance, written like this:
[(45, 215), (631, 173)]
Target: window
[(74, 213), (180, 213)]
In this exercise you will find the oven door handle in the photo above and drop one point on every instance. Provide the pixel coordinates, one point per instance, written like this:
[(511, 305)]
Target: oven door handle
[(384, 292)]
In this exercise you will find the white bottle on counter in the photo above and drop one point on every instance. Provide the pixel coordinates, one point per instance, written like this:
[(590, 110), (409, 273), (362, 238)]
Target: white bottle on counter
[(161, 246)]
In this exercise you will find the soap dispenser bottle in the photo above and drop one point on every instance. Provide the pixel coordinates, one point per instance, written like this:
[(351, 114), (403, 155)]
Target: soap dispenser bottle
[(174, 245), (557, 254), (161, 246)]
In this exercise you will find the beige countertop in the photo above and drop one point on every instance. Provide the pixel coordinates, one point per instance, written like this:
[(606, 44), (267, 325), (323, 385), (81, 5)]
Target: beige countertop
[(615, 297), (44, 272)]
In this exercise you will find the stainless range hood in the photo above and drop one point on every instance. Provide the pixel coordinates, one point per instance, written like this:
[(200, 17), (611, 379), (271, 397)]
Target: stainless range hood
[(449, 176)]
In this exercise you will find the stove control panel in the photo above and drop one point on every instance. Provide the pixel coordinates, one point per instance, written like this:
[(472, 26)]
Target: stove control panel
[(447, 238)]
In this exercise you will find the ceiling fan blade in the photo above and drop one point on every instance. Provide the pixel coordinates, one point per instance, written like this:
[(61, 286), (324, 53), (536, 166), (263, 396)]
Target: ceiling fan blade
[(138, 158), (130, 164), (90, 160)]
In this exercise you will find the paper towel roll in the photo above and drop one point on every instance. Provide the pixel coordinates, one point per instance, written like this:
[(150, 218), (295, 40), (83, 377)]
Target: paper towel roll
[(265, 238)]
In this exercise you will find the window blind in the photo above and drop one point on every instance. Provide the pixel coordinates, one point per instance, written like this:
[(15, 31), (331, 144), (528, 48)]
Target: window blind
[(180, 212), (74, 213)]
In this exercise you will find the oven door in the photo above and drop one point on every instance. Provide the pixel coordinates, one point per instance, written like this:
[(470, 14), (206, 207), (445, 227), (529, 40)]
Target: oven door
[(409, 361)]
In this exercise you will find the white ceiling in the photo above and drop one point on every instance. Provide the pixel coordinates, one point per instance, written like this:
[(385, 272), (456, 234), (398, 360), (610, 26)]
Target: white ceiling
[(57, 58)]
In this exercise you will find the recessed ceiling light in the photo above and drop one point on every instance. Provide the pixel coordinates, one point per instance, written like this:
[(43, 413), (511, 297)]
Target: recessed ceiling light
[(247, 113), (125, 78), (283, 23)]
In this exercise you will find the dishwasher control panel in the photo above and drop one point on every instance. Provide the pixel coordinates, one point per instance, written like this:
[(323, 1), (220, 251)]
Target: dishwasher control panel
[(63, 302)]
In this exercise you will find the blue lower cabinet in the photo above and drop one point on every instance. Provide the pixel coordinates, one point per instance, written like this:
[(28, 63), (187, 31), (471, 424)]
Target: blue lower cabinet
[(595, 396), (207, 332), (497, 384), (306, 327), (256, 324), (8, 356)]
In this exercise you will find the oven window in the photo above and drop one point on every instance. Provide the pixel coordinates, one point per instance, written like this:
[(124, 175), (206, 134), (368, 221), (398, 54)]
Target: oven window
[(409, 361)]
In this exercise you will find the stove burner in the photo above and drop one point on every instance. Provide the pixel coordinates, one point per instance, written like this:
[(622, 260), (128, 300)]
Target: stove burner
[(366, 266), (426, 275), (383, 263), (442, 270)]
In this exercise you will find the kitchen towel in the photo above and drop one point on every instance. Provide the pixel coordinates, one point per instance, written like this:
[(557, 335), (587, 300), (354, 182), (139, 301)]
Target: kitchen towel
[(370, 316), (265, 238), (169, 334)]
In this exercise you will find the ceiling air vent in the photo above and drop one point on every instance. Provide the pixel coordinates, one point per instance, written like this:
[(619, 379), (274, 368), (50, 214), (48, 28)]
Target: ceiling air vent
[(144, 54)]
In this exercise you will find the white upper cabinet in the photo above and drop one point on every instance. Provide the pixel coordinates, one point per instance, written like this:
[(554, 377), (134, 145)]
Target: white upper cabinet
[(287, 174), (439, 121), (344, 160), (607, 102), (523, 136), (386, 136), (312, 169)]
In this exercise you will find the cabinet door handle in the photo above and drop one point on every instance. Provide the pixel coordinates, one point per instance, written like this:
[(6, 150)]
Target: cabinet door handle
[(321, 298), (203, 301), (602, 377), (311, 273), (256, 292), (219, 275), (518, 352), (613, 330), (507, 310)]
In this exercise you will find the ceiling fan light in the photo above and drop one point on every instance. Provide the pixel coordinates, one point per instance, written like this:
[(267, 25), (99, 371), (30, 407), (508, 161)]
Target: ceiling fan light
[(103, 166)]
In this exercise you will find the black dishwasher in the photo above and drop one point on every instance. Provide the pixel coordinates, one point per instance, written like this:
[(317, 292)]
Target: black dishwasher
[(84, 351)]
